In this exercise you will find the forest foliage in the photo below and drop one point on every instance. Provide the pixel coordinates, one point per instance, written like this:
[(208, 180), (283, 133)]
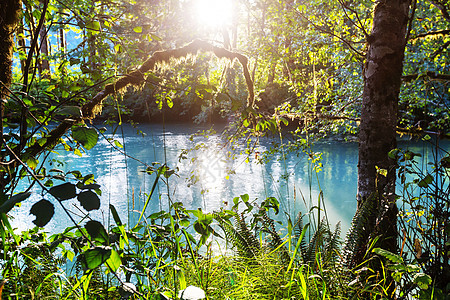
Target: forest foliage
[(268, 65)]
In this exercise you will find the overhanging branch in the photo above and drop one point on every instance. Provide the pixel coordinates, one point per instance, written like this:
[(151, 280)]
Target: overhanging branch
[(91, 109)]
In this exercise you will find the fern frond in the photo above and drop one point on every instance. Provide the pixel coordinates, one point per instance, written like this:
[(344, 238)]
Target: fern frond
[(316, 242), (359, 233), (333, 244), (298, 228), (276, 241), (247, 243), (240, 236)]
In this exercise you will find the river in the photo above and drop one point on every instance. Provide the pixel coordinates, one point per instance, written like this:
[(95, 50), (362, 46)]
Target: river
[(203, 179)]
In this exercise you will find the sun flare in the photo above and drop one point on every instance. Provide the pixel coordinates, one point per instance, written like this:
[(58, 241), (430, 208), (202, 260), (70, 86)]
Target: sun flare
[(214, 13)]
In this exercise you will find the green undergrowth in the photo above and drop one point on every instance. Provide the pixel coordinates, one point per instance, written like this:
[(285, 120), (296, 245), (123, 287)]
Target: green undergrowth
[(229, 254)]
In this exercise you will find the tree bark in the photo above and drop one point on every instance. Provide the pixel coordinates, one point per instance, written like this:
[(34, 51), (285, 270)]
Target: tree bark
[(382, 80), (9, 11), (22, 44), (62, 49), (44, 49)]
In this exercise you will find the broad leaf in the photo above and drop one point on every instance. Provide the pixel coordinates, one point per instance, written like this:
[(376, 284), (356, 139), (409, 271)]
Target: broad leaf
[(89, 200), (422, 280), (395, 258), (93, 26), (63, 191), (245, 198), (94, 257), (114, 261), (393, 154), (44, 211), (87, 137), (71, 111), (425, 181), (97, 231)]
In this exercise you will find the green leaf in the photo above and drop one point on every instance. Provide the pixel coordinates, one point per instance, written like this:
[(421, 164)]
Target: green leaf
[(50, 88), (245, 198), (182, 280), (297, 247), (393, 153), (409, 155), (412, 268), (422, 280), (156, 38), (94, 257), (88, 179), (389, 255), (272, 202), (89, 200), (93, 26), (63, 191), (115, 215), (426, 137), (71, 111), (118, 48), (425, 181), (203, 229), (381, 171), (118, 144), (32, 162), (65, 94), (114, 261), (9, 204), (137, 29), (236, 201), (184, 222), (285, 121), (87, 137), (44, 211), (97, 231)]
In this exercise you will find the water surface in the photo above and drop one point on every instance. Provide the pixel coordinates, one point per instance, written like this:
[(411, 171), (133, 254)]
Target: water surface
[(203, 177)]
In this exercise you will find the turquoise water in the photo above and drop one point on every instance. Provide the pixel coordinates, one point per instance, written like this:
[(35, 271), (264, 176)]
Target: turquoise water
[(203, 178)]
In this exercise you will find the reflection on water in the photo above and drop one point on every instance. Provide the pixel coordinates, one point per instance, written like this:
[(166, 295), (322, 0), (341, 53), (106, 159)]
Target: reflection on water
[(202, 179)]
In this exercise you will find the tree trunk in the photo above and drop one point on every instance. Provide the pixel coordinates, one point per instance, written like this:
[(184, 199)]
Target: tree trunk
[(62, 49), (382, 79), (44, 49), (9, 11), (22, 49)]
